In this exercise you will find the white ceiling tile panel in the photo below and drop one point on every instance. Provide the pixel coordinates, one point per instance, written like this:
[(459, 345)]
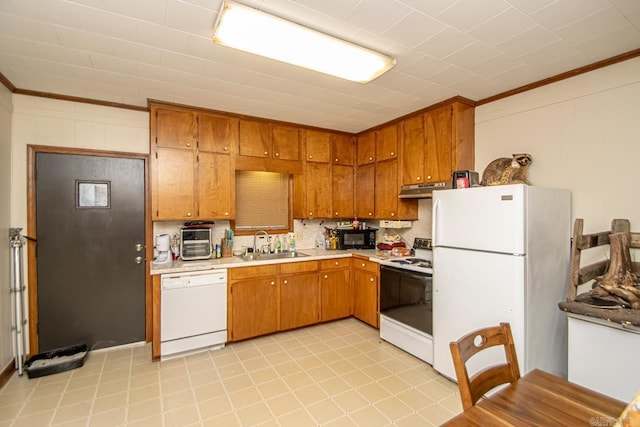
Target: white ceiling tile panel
[(107, 23), (136, 51), (213, 5), (176, 61), (593, 26), (146, 10), (113, 64), (502, 27), (599, 48), (634, 18), (45, 51), (335, 8), (530, 6), (28, 28), (468, 14), (190, 18), (79, 39), (450, 76), (129, 51), (528, 41), (160, 36), (496, 65), (548, 54), (430, 7), (564, 12), (425, 67), (445, 43), (472, 55), (413, 29), (377, 16)]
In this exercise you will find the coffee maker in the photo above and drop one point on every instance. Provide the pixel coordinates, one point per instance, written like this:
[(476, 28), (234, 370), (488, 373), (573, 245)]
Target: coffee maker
[(163, 248)]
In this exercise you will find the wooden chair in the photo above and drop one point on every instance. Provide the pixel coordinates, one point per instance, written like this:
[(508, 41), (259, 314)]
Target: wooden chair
[(472, 389)]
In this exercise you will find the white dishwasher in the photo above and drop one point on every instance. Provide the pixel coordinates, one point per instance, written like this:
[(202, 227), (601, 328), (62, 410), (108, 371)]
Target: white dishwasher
[(193, 312)]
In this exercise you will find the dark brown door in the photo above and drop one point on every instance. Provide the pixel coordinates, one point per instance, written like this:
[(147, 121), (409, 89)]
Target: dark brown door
[(89, 221)]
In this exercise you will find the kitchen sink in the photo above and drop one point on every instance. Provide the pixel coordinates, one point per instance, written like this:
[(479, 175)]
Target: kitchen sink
[(265, 257)]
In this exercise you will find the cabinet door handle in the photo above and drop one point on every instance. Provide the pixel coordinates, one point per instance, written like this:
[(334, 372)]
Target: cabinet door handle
[(418, 178), (310, 213), (310, 156), (337, 263), (226, 214), (393, 153), (266, 153), (336, 160), (370, 213), (370, 159), (284, 282), (277, 154), (336, 214), (429, 177), (188, 213), (273, 283), (393, 214), (364, 265), (371, 279), (188, 144), (326, 277)]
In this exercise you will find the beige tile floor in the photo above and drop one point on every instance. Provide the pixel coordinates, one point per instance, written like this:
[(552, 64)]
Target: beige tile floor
[(334, 374)]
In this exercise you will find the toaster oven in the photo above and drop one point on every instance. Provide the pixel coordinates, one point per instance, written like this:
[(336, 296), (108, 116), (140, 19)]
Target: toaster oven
[(195, 243)]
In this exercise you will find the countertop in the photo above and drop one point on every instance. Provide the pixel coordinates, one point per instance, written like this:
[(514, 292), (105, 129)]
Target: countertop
[(234, 261)]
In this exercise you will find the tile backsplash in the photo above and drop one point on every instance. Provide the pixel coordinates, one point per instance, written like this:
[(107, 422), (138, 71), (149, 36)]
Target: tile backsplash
[(307, 230)]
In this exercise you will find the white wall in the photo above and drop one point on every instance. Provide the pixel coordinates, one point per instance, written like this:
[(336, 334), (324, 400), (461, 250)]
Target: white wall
[(43, 121), (6, 348), (583, 134)]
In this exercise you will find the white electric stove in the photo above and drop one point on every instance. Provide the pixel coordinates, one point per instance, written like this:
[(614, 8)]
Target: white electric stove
[(406, 302)]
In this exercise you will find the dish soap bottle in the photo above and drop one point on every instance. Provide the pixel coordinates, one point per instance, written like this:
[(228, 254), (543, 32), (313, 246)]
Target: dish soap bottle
[(292, 242), (277, 245)]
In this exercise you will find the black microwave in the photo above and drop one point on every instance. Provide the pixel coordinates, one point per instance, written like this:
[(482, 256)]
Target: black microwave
[(357, 239)]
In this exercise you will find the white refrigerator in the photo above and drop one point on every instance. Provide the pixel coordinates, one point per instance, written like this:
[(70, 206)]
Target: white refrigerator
[(501, 254)]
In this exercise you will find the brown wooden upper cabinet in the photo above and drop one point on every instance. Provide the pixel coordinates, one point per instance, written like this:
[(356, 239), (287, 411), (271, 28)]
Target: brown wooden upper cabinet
[(255, 139), (343, 149), (285, 142), (176, 128), (436, 143), (192, 173), (387, 143), (217, 134), (366, 148), (318, 146)]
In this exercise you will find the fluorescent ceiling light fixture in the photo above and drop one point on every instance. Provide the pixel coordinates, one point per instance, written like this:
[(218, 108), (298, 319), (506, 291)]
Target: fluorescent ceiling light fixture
[(253, 31)]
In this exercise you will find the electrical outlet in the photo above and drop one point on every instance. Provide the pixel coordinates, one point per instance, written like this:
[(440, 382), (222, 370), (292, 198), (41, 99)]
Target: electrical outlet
[(299, 235)]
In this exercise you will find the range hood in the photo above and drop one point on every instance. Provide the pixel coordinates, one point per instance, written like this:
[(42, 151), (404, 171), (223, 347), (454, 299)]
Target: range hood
[(423, 191)]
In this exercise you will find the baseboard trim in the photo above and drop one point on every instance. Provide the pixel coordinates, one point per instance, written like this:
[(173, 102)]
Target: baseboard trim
[(7, 372)]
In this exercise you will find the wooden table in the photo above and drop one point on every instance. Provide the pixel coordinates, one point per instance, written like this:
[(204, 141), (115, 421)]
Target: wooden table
[(542, 399)]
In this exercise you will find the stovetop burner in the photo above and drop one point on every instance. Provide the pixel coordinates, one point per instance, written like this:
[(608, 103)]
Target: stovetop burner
[(419, 262), (422, 261)]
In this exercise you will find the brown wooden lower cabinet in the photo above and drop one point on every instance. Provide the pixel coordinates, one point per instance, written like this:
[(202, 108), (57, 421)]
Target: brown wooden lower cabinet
[(254, 310), (299, 300), (335, 291), (270, 298), (365, 291)]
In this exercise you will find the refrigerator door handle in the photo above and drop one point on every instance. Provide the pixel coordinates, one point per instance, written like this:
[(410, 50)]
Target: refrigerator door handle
[(434, 222)]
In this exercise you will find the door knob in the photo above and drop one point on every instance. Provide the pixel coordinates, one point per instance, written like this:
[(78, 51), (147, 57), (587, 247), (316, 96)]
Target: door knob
[(139, 247), (138, 260)]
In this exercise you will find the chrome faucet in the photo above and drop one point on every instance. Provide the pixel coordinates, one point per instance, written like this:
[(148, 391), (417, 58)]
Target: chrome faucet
[(255, 236)]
